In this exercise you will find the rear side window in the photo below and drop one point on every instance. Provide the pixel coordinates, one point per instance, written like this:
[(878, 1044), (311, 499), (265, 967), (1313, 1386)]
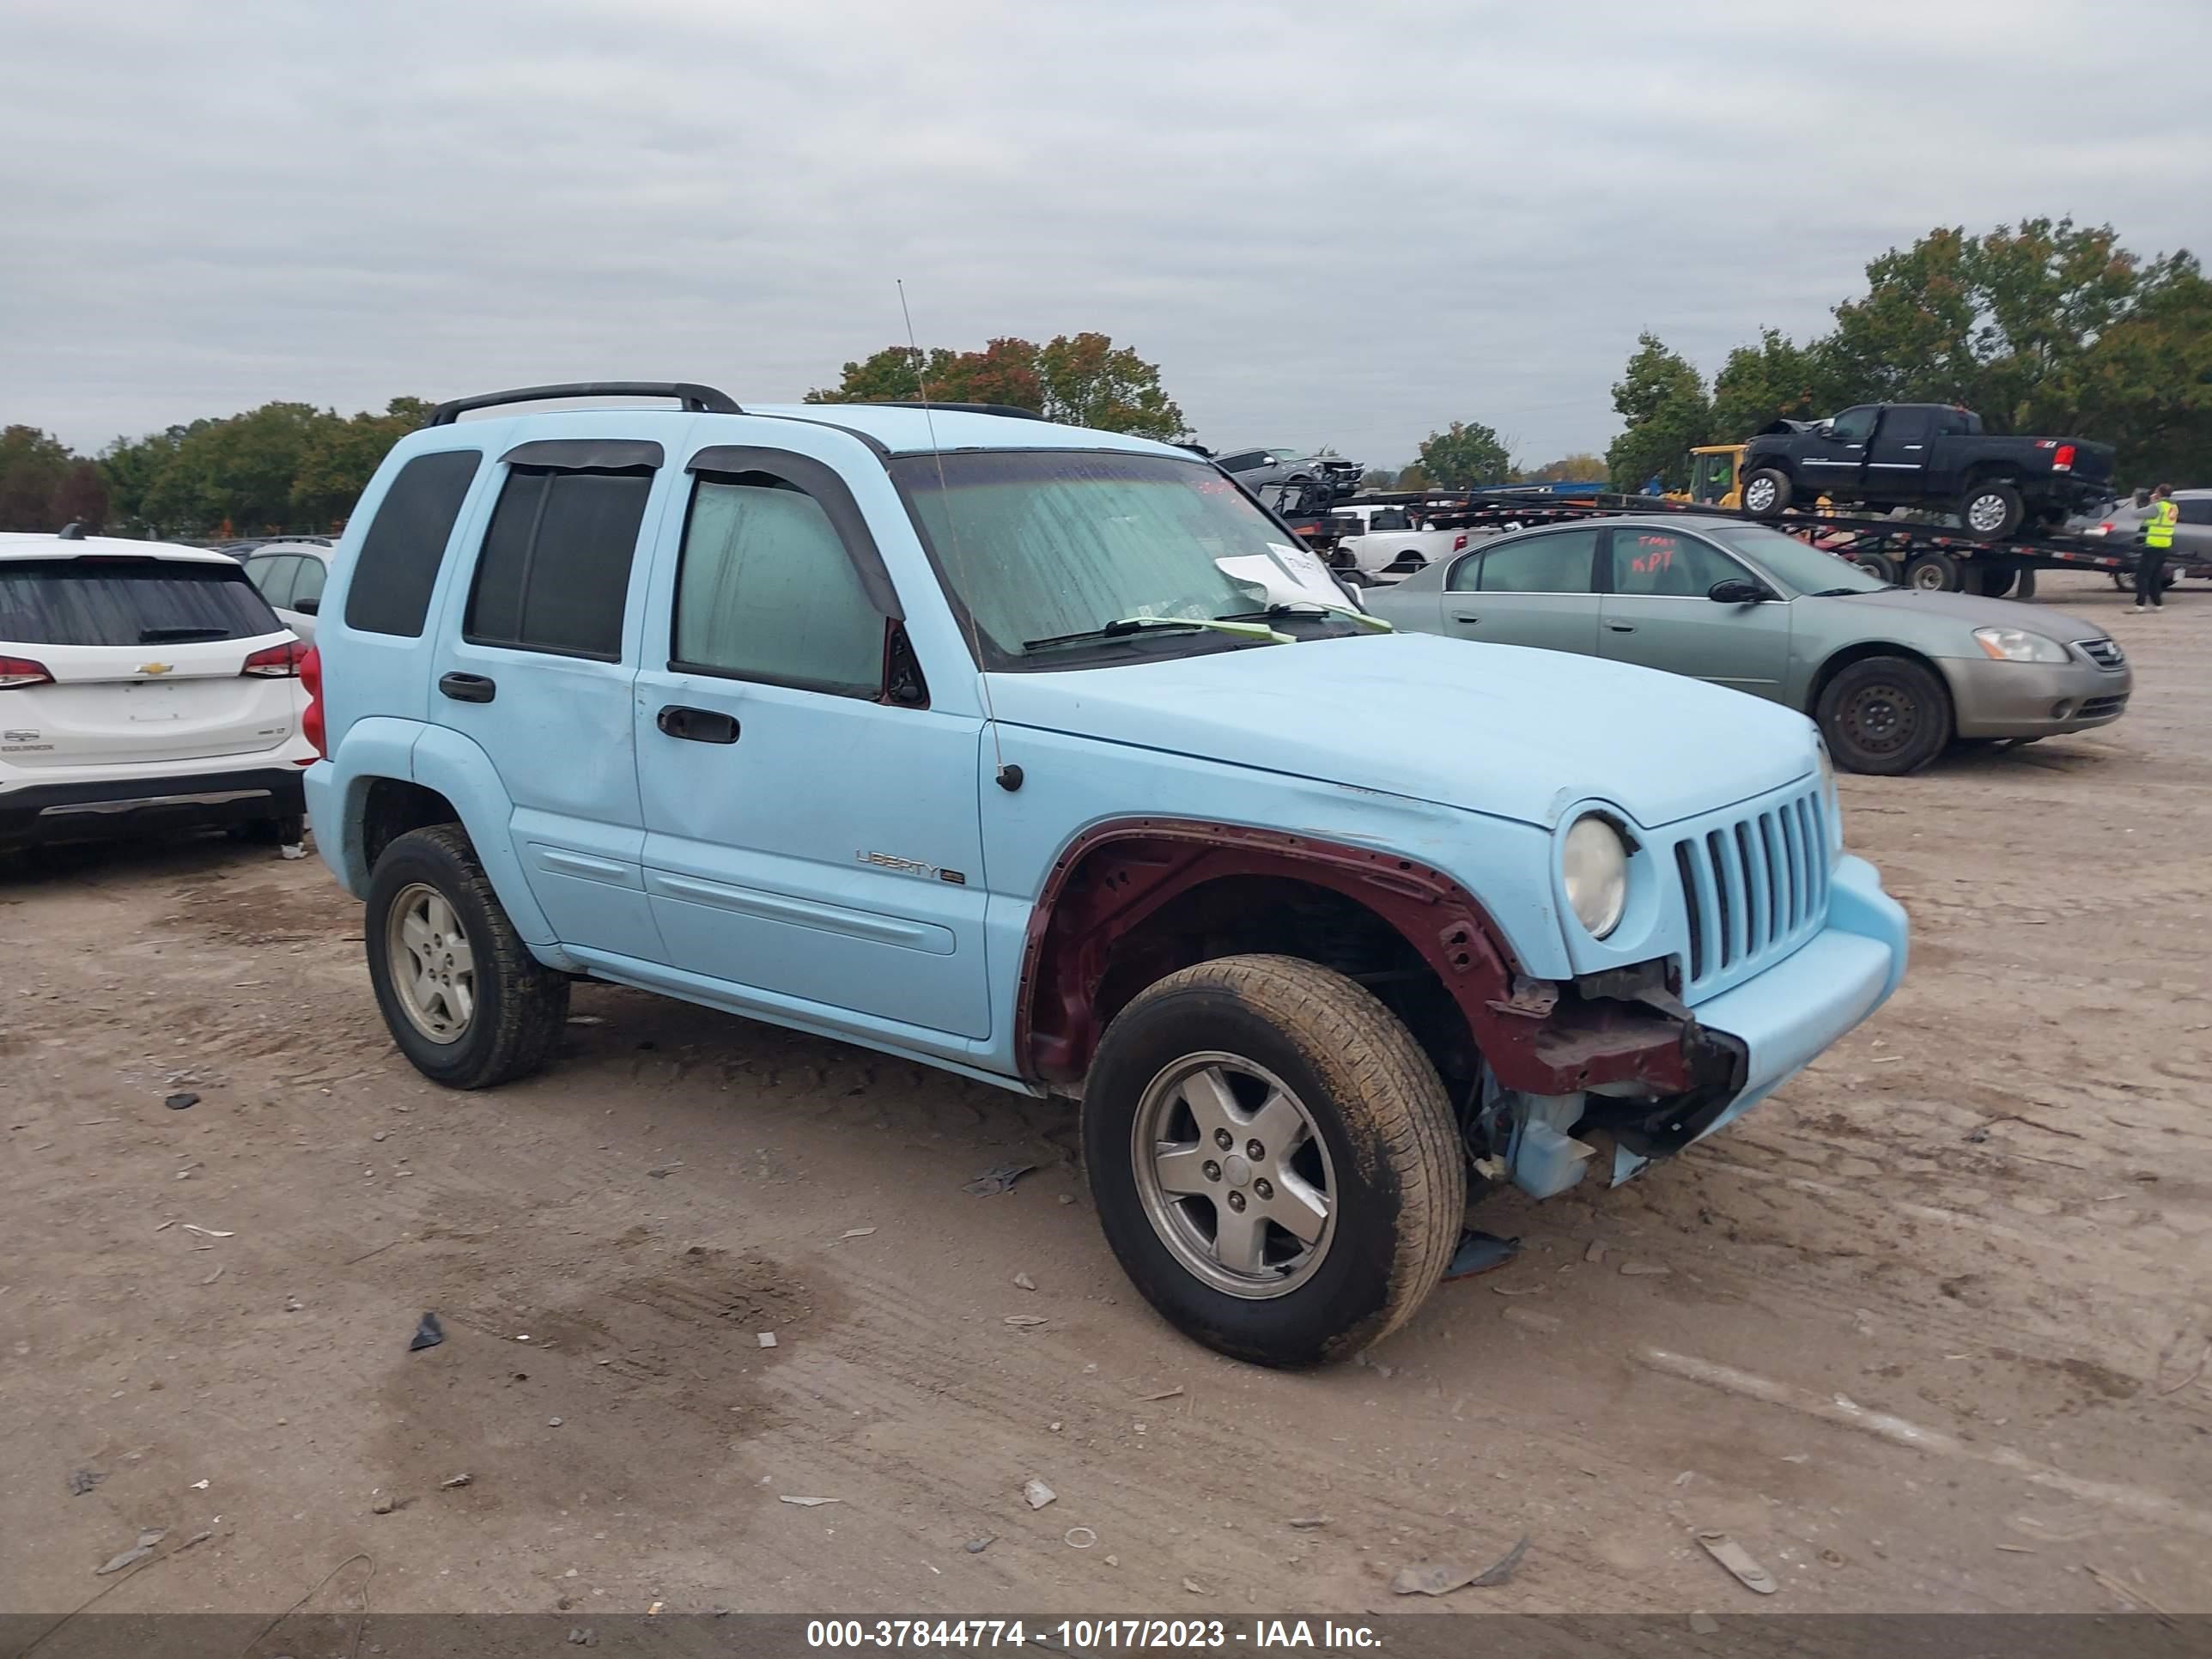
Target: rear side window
[(554, 575), (307, 585), (767, 591), (1559, 562), (390, 592), (2198, 511), (127, 601)]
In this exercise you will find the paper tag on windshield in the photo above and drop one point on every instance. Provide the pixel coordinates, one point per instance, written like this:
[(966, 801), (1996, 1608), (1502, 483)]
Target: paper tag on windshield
[(1312, 574)]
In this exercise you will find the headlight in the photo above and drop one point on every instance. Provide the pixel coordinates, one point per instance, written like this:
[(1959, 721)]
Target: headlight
[(1594, 864), (2018, 645)]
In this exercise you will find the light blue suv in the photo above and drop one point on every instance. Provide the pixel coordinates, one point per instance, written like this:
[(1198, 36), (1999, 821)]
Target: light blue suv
[(1048, 757)]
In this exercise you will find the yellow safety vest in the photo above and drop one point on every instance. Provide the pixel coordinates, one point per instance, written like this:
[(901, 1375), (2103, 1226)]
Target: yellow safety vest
[(2158, 529)]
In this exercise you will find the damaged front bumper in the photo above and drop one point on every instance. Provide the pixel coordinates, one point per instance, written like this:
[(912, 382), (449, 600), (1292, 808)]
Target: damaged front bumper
[(1650, 1077)]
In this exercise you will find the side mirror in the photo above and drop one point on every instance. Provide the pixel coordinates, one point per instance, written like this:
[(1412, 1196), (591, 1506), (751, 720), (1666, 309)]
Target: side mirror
[(1824, 429), (1737, 593), (308, 607)]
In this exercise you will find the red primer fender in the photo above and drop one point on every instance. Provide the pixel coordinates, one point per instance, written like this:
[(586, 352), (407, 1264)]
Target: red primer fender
[(1537, 1035)]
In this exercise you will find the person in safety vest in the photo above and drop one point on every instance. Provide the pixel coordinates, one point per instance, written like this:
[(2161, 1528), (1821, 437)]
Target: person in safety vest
[(2157, 533)]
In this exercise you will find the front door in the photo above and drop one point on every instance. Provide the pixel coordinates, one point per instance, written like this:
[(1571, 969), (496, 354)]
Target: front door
[(1534, 589), (812, 830), (1833, 456), (1657, 612), (537, 672)]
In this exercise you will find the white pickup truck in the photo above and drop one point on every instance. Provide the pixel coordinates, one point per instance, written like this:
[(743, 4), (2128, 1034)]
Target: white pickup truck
[(1392, 540)]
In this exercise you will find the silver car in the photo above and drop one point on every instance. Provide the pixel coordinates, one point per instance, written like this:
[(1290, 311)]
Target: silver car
[(1255, 469), (2120, 523), (290, 575), (1893, 675)]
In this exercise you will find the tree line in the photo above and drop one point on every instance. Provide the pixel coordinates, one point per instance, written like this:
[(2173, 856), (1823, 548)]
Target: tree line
[(2047, 328)]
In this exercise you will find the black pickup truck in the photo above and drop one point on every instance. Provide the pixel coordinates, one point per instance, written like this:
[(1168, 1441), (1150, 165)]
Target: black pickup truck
[(1931, 456)]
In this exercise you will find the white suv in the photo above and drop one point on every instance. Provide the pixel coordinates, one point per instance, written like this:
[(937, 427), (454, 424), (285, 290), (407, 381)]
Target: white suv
[(142, 686)]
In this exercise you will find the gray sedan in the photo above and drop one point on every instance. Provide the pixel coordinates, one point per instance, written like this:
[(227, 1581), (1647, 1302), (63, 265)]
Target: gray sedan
[(1891, 674)]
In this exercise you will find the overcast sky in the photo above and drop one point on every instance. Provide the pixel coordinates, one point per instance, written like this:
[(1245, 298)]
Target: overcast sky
[(1328, 223)]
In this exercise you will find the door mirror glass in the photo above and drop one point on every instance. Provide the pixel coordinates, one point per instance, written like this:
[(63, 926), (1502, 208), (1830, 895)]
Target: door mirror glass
[(307, 607), (1737, 592)]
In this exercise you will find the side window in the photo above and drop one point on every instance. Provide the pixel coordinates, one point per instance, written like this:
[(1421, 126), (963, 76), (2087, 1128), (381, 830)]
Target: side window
[(1953, 423), (400, 559), (2198, 510), (275, 577), (1388, 518), (1905, 426), (553, 574), (308, 582), (1556, 563), (1854, 426), (1660, 564), (766, 591), (1243, 463)]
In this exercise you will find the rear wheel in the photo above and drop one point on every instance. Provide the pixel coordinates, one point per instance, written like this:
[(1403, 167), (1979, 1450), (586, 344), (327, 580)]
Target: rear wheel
[(1875, 565), (1991, 511), (1885, 715), (465, 999), (1274, 1160), (1766, 493)]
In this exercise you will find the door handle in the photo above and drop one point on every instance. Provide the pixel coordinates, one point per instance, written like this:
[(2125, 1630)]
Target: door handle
[(697, 724), (468, 687), (1622, 628), (1461, 615)]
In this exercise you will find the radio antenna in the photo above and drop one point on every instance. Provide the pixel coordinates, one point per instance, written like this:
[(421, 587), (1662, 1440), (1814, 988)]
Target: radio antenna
[(1009, 777)]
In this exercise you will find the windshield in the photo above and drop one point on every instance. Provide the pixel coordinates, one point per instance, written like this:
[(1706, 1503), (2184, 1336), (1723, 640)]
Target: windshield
[(1793, 564), (1043, 544)]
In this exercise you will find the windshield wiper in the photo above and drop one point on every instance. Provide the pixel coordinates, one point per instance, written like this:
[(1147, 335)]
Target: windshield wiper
[(178, 636), (1373, 624), (1839, 593), (1121, 626)]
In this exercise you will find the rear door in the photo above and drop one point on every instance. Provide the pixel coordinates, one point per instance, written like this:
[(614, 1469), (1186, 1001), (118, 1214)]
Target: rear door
[(1898, 454), (812, 827), (1657, 613), (1536, 590), (148, 660), (534, 663)]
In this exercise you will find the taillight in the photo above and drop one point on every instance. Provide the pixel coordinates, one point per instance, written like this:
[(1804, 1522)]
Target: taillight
[(311, 722), (277, 662), (1459, 543), (17, 672), (2062, 459)]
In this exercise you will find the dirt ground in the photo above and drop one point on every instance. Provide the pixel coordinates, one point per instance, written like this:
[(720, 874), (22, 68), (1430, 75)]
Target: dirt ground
[(1931, 1331)]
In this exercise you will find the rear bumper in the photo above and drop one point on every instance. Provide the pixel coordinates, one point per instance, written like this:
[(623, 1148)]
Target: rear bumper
[(107, 808), (2034, 699)]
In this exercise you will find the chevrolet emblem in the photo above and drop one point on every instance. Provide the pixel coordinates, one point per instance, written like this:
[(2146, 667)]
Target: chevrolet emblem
[(153, 668)]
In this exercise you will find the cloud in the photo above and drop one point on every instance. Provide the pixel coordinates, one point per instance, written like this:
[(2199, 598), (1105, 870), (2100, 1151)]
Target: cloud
[(1346, 224)]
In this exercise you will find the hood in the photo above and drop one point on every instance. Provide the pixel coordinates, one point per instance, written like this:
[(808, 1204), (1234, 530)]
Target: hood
[(1497, 729), (1970, 611)]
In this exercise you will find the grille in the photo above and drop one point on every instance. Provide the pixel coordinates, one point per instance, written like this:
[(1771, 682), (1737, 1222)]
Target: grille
[(1754, 887), (2106, 653), (2094, 706)]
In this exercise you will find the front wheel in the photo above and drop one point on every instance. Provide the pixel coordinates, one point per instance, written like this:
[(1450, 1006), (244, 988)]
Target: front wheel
[(465, 999), (1885, 715), (1274, 1160), (1766, 493)]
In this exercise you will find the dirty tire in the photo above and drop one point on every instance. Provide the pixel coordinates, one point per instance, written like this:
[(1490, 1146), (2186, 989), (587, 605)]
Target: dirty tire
[(1885, 716), (1399, 1174), (1935, 573), (1767, 492), (521, 1004)]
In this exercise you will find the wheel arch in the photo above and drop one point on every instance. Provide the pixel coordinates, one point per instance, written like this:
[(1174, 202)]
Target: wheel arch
[(1844, 656), (1129, 902), (449, 767)]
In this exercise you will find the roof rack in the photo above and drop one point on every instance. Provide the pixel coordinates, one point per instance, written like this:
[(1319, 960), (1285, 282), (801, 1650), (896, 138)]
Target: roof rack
[(1012, 411), (697, 399)]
